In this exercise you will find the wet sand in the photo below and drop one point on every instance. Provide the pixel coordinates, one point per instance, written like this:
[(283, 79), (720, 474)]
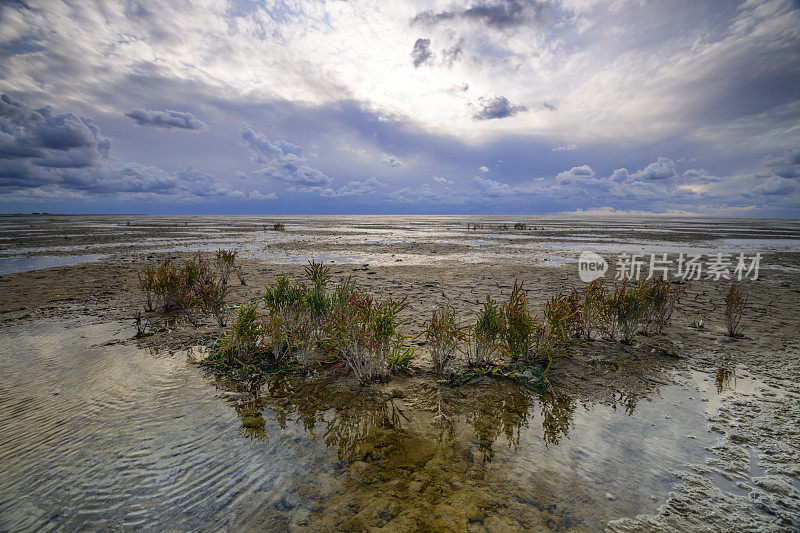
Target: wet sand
[(741, 395)]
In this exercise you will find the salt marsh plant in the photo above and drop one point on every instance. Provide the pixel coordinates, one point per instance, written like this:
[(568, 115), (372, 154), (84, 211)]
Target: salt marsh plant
[(735, 303), (520, 336), (662, 298), (443, 336), (225, 263), (625, 307), (563, 316), (592, 308), (148, 283), (483, 342), (191, 289), (243, 342), (363, 332), (211, 295)]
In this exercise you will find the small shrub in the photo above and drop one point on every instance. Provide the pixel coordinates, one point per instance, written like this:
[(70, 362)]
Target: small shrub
[(521, 333), (735, 303), (211, 295), (169, 285), (149, 285), (520, 225), (592, 309), (278, 227), (443, 334), (244, 340), (486, 334), (225, 262), (562, 316), (625, 310), (363, 333), (663, 297)]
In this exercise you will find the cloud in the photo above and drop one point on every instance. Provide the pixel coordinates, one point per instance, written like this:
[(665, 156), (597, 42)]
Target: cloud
[(282, 161), (453, 54), (498, 107), (493, 188), (661, 169), (355, 188), (497, 14), (59, 156), (167, 119), (440, 179), (392, 161), (36, 143), (483, 168), (565, 148), (575, 174), (421, 52)]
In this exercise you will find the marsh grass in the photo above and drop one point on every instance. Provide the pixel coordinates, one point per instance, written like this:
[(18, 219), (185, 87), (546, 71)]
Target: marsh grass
[(192, 289), (483, 342), (243, 344), (225, 264), (592, 308), (363, 333), (443, 336), (735, 304), (521, 332)]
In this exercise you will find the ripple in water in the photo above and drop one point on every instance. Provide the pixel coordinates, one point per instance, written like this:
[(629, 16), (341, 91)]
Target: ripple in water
[(99, 434)]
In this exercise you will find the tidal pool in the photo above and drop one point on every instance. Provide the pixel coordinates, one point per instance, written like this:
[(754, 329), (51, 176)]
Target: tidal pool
[(96, 433), (9, 265)]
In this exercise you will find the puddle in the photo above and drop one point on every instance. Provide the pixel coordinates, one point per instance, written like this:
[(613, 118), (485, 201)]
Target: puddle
[(97, 433), (9, 265)]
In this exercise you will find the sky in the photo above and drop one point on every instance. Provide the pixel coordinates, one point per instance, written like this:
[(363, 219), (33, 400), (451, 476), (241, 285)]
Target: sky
[(612, 107)]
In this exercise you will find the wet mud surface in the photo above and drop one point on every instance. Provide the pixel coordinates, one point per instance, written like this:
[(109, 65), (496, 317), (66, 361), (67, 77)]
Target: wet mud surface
[(689, 430)]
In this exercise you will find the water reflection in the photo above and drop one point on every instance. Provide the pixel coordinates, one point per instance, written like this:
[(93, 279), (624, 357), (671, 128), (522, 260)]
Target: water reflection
[(725, 379), (356, 421), (557, 416)]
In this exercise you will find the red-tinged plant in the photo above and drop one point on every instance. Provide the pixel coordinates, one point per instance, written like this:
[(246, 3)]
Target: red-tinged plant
[(443, 335), (735, 303)]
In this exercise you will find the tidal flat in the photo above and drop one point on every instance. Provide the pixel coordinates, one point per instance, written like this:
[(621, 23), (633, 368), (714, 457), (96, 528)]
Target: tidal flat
[(687, 429)]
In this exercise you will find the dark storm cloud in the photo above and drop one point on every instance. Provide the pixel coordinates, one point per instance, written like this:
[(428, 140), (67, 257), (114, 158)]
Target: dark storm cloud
[(282, 161), (166, 119), (42, 137), (498, 107), (421, 52), (498, 14)]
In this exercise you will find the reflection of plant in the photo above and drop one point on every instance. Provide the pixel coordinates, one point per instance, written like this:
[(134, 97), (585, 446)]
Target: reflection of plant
[(557, 414), (725, 379), (503, 415), (735, 303)]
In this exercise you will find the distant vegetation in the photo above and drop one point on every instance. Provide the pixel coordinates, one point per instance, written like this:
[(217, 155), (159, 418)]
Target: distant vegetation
[(197, 287)]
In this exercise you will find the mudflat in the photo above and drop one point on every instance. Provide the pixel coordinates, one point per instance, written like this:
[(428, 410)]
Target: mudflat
[(411, 453)]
